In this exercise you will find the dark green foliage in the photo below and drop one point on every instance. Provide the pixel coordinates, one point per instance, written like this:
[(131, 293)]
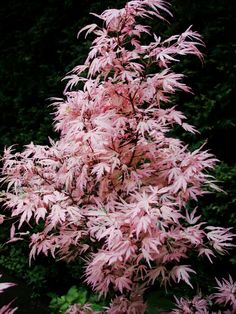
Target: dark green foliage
[(15, 262), (220, 206), (59, 304), (158, 302), (38, 46)]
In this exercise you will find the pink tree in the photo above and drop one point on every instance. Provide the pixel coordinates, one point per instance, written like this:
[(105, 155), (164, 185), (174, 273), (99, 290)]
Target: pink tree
[(115, 186)]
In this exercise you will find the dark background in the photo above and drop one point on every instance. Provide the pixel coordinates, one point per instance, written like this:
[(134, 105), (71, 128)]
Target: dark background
[(38, 46)]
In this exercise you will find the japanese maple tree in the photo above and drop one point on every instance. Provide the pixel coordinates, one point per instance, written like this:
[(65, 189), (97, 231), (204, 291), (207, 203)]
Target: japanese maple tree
[(114, 187)]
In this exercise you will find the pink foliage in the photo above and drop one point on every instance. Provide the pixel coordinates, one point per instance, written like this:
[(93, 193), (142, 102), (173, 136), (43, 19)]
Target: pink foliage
[(197, 305), (80, 309), (226, 295), (6, 309), (115, 185)]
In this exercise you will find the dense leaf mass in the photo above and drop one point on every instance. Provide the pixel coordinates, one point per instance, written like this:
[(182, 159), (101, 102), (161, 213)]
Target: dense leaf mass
[(115, 186)]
